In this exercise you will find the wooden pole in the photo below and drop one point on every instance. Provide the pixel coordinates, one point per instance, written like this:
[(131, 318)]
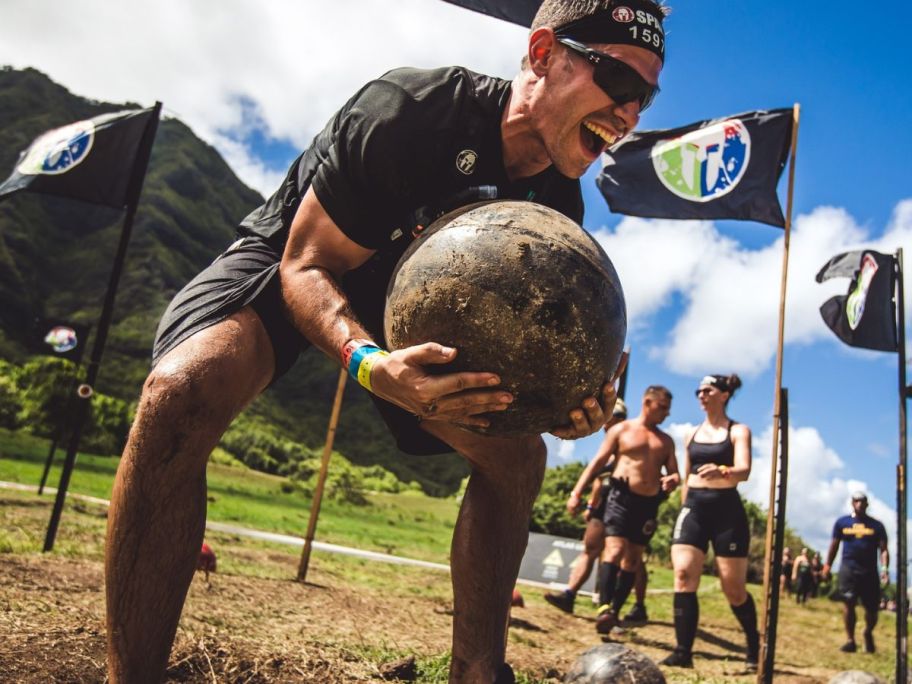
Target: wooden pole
[(770, 654), (902, 610), (774, 460), (321, 479)]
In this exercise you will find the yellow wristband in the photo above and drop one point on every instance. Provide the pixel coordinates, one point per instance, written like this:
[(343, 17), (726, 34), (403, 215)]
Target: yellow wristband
[(364, 370)]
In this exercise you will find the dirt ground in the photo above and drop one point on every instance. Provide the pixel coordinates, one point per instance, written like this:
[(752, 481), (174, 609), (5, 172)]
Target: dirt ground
[(245, 629), (351, 622)]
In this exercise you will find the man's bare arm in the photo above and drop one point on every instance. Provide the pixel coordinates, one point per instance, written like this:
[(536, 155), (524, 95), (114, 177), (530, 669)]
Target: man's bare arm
[(672, 478), (607, 449), (316, 256)]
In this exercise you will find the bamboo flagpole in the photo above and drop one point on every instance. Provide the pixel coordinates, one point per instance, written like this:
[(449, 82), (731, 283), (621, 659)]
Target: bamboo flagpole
[(902, 603), (321, 480), (774, 460)]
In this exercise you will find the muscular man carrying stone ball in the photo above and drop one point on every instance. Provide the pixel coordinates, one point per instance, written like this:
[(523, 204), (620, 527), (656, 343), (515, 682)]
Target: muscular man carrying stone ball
[(311, 268)]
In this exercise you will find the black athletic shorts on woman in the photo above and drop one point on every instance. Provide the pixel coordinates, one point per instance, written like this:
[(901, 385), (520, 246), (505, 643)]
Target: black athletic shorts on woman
[(629, 515), (716, 516)]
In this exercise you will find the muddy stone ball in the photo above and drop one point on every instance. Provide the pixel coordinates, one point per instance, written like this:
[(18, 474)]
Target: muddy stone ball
[(613, 664), (519, 290), (855, 677)]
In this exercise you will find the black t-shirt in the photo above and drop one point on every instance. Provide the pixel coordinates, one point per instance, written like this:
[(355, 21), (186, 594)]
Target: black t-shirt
[(405, 149)]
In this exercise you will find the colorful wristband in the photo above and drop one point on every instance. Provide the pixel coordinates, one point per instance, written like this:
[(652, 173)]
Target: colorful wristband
[(359, 356), (349, 348)]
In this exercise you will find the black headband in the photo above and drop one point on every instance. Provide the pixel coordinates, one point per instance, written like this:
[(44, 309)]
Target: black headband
[(631, 22)]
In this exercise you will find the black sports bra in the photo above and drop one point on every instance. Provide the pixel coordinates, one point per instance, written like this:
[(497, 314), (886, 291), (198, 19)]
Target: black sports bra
[(720, 453)]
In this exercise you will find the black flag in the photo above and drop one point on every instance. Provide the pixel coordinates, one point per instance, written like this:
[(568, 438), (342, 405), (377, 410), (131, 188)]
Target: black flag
[(60, 338), (89, 160), (517, 11), (866, 315), (725, 168)]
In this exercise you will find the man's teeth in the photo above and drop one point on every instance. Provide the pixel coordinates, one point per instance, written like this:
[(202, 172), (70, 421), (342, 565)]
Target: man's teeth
[(601, 132)]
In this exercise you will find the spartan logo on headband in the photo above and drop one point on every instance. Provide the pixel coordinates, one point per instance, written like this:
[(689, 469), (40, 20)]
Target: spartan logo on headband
[(623, 15), (704, 164)]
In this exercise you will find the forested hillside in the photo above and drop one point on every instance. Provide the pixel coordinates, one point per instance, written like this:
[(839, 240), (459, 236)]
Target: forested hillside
[(55, 258)]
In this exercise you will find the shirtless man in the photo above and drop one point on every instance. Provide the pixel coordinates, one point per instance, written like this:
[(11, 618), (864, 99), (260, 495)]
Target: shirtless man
[(641, 451)]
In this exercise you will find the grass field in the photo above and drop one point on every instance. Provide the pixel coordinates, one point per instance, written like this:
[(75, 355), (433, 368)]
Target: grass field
[(353, 617)]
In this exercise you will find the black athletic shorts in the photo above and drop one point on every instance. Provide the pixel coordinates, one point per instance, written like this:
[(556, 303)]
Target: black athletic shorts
[(863, 587), (717, 516), (630, 515), (247, 273)]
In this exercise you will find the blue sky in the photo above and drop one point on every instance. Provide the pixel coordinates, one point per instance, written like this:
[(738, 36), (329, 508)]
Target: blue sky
[(259, 80)]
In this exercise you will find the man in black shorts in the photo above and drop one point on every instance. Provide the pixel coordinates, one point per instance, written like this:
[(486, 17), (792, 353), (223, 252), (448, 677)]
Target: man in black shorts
[(641, 451), (861, 536), (312, 268)]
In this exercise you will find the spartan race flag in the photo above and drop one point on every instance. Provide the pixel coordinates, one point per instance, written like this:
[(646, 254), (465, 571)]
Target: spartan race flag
[(865, 316), (724, 168), (91, 160), (55, 337), (517, 11)]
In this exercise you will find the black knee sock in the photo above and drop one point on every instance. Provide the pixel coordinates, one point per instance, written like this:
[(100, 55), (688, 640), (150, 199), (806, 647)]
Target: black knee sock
[(686, 614), (607, 579), (747, 617), (624, 587)]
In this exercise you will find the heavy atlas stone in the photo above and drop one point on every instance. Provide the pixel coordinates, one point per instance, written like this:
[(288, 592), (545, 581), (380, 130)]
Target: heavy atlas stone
[(613, 664), (519, 290)]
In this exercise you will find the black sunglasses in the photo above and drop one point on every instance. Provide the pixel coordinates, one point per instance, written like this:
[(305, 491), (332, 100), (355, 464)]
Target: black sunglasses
[(703, 390), (620, 81)]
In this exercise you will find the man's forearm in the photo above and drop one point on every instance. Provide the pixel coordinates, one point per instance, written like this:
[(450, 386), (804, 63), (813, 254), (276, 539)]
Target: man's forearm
[(319, 309)]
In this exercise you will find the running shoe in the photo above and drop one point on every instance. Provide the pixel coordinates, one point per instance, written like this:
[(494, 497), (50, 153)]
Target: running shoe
[(678, 658), (637, 614), (606, 621), (848, 647), (562, 601)]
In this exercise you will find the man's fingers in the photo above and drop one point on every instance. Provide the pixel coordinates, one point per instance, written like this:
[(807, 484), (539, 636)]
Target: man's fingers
[(429, 352)]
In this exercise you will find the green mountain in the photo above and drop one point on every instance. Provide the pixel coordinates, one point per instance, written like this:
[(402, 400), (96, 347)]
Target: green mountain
[(55, 259)]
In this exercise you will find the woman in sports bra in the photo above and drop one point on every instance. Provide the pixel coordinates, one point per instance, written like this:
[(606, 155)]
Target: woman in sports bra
[(716, 459)]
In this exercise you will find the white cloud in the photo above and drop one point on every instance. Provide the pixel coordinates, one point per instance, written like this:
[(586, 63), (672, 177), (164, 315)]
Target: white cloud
[(730, 293), (209, 62)]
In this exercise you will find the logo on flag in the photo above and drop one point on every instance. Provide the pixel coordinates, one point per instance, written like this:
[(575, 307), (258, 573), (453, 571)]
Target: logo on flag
[(61, 339), (855, 302), (704, 164), (59, 150)]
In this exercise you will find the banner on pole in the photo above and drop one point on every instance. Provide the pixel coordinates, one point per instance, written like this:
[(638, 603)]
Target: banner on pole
[(866, 315), (89, 160), (725, 168), (516, 11)]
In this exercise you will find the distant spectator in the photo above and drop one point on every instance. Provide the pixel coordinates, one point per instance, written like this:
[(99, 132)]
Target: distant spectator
[(816, 569), (785, 577), (802, 581)]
